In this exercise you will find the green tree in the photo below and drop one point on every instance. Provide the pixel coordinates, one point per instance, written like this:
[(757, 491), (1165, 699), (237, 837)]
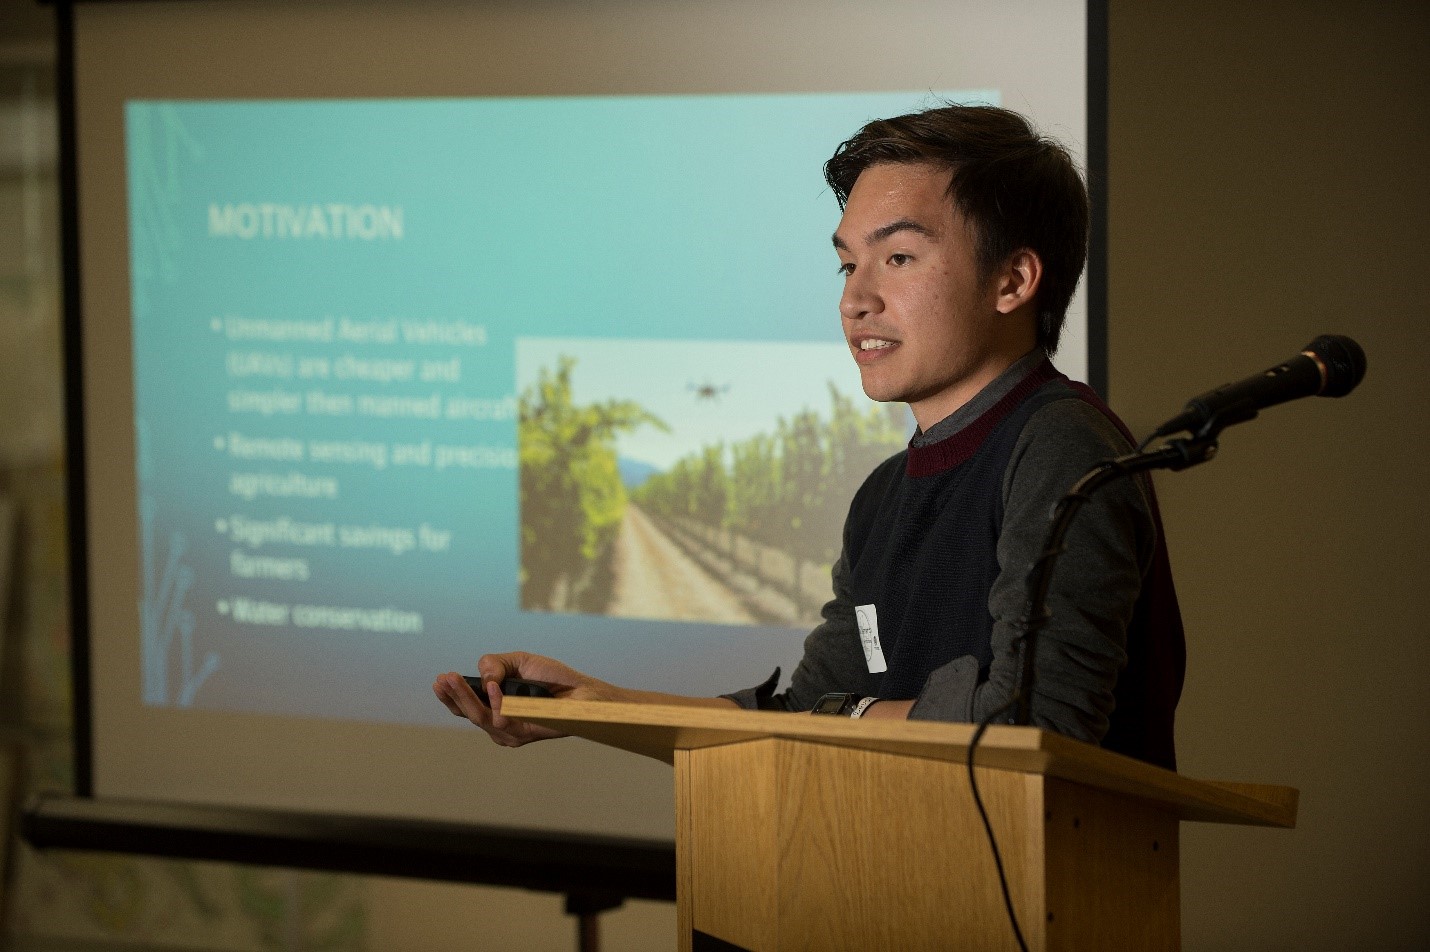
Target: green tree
[(572, 497), (712, 488), (754, 487)]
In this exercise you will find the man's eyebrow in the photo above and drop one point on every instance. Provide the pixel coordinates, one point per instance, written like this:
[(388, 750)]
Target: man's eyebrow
[(886, 231)]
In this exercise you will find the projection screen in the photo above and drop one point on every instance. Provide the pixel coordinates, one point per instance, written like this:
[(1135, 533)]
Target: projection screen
[(413, 331)]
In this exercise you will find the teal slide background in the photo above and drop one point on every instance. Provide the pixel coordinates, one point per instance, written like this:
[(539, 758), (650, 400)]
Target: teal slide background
[(700, 219)]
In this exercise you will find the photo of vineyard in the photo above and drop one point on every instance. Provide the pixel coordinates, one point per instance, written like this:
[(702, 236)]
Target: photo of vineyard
[(649, 489)]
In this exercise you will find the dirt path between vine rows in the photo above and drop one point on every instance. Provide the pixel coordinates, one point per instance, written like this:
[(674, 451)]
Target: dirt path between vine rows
[(654, 578)]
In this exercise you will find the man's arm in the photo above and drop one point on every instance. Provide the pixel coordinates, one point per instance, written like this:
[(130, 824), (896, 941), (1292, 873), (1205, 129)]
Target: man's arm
[(883, 710), (1083, 648), (566, 682)]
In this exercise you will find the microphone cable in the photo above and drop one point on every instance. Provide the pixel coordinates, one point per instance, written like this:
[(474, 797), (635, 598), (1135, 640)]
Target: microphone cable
[(987, 825)]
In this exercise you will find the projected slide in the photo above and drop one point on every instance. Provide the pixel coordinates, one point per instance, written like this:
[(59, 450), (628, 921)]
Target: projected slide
[(417, 380)]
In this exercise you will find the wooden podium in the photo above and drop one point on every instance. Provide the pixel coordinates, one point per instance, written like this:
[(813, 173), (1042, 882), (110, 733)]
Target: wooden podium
[(825, 833)]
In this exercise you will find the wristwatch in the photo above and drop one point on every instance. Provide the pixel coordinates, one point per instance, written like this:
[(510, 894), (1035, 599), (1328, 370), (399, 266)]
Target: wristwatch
[(839, 703), (864, 704)]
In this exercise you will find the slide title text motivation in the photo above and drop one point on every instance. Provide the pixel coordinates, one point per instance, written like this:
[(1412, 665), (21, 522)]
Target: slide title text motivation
[(327, 220)]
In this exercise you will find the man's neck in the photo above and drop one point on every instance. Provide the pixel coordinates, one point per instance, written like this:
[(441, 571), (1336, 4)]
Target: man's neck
[(1002, 353), (989, 394)]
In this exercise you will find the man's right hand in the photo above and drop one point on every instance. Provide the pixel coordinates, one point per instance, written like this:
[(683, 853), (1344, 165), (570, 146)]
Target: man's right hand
[(565, 682)]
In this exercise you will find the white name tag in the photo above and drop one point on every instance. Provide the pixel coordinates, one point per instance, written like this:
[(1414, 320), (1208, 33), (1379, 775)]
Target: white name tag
[(868, 617)]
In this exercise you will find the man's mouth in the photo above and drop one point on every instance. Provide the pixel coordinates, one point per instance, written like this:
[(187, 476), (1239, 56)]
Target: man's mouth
[(871, 349), (867, 349)]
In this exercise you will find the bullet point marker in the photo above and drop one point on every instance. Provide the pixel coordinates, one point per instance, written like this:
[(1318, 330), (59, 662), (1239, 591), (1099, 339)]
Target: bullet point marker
[(220, 526), (223, 608), (218, 442)]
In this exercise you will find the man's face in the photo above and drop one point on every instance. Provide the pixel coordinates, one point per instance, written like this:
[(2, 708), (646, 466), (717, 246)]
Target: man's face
[(921, 321)]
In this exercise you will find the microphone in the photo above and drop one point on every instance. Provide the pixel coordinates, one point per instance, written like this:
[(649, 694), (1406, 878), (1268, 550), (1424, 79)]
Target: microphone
[(1329, 366)]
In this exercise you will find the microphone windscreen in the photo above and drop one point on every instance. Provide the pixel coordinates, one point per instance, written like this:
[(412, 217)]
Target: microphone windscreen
[(1344, 361)]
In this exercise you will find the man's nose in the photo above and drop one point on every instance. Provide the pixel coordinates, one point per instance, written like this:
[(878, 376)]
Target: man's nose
[(859, 299)]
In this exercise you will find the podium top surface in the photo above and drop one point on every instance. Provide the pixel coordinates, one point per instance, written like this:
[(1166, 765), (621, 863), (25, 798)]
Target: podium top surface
[(659, 730)]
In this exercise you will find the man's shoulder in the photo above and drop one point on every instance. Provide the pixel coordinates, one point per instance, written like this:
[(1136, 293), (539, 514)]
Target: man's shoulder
[(1061, 441), (1067, 421)]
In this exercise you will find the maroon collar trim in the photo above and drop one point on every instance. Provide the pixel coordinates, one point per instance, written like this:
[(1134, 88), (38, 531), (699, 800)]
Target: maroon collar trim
[(944, 455)]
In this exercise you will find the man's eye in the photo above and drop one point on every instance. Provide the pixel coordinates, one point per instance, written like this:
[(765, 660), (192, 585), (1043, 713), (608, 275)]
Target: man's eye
[(899, 260), (846, 268)]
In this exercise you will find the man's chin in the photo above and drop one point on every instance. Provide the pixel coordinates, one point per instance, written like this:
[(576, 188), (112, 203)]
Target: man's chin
[(883, 393)]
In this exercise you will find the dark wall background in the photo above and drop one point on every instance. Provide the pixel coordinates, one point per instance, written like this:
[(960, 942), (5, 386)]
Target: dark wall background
[(1268, 169)]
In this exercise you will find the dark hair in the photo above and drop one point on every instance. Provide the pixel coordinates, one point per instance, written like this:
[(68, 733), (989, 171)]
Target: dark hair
[(1016, 188)]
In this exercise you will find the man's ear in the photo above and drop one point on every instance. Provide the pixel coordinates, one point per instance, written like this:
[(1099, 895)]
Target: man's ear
[(1018, 280)]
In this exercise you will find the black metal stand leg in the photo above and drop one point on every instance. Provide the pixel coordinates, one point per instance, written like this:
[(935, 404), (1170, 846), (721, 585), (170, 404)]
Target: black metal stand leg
[(587, 908)]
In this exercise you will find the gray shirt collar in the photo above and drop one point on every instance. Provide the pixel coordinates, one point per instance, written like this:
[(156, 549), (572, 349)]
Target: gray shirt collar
[(982, 401)]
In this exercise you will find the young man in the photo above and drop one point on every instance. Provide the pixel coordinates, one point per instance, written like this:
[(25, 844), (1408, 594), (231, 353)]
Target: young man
[(962, 240)]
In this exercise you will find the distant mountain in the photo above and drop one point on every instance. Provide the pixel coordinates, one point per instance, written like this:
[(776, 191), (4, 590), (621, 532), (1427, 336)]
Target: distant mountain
[(634, 473)]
